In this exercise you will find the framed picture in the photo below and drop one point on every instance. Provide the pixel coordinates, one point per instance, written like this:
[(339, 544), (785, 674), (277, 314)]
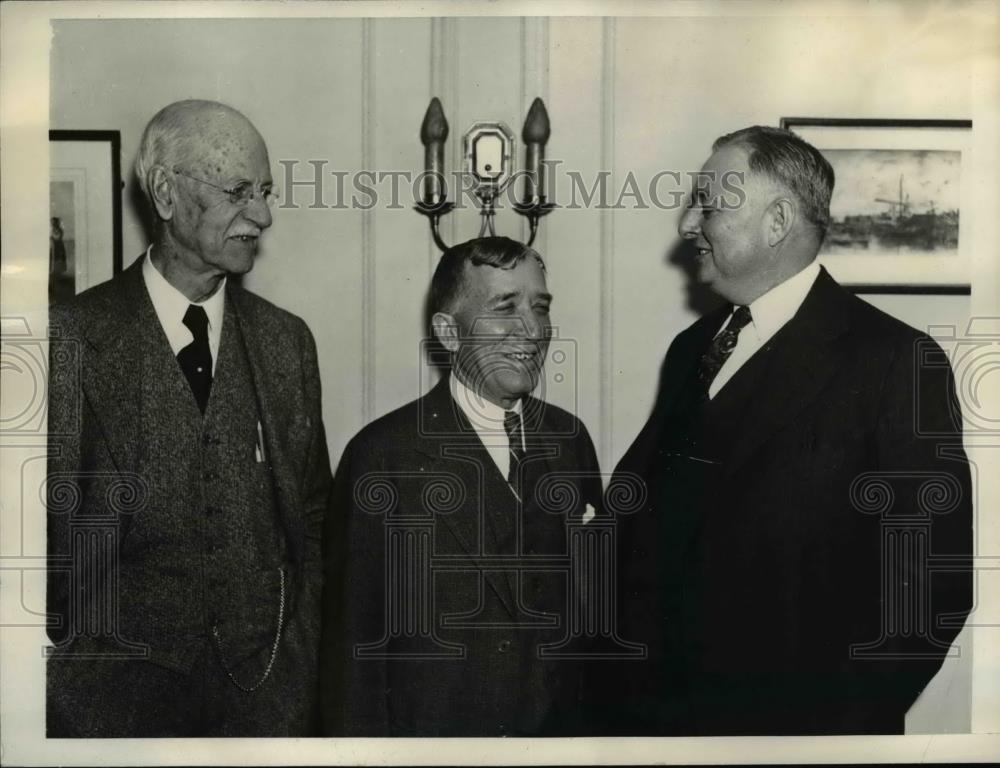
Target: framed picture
[(85, 210), (898, 223)]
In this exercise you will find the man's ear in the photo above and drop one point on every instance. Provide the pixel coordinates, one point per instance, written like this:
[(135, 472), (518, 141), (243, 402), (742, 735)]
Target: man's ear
[(780, 219), (161, 190), (445, 330)]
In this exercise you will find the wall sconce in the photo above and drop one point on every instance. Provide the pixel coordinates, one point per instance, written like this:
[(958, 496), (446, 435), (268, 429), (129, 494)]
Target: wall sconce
[(488, 149)]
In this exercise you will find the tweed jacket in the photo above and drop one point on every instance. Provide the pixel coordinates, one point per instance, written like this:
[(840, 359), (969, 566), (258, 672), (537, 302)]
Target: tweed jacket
[(96, 433)]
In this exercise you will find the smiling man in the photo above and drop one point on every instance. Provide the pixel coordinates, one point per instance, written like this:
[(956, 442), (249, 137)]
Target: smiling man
[(779, 573), (185, 416), (480, 477)]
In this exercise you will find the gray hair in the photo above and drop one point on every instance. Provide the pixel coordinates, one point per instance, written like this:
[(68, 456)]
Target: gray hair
[(791, 162)]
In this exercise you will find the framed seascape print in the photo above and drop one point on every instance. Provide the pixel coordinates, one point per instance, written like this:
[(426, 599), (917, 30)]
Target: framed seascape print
[(899, 214), (85, 199)]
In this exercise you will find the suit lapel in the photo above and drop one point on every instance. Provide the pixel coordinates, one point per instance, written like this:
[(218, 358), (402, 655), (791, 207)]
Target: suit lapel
[(116, 340), (803, 355), (451, 443), (681, 364), (266, 355)]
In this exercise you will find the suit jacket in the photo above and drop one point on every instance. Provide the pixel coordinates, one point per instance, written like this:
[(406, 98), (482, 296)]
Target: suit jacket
[(455, 653), (784, 582), (97, 436)]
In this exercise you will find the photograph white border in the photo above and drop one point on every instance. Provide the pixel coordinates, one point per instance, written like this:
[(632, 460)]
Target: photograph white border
[(24, 105)]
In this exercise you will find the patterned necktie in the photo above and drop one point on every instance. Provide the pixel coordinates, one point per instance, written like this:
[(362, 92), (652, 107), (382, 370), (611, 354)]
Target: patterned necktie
[(512, 425), (722, 347), (196, 357)]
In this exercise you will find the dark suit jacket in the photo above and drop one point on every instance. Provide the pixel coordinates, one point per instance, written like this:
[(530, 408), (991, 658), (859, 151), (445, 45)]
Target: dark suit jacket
[(456, 655), (97, 436), (759, 575)]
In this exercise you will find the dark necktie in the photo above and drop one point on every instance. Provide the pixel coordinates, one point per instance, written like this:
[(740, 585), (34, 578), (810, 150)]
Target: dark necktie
[(512, 425), (722, 347), (196, 357)]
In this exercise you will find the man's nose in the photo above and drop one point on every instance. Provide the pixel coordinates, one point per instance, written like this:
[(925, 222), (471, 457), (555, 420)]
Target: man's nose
[(690, 224), (258, 211), (531, 326)]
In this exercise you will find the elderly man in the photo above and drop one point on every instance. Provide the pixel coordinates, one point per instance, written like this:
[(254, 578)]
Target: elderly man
[(185, 419), (481, 476), (797, 482)]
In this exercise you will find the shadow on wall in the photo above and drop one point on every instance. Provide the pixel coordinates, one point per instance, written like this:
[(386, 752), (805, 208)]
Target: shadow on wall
[(438, 358), (699, 297), (135, 198)]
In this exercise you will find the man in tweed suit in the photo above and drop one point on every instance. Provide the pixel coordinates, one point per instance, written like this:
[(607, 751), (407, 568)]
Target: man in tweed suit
[(188, 473)]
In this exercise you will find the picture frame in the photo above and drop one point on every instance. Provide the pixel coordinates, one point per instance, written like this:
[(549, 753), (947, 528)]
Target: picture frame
[(85, 210), (898, 223)]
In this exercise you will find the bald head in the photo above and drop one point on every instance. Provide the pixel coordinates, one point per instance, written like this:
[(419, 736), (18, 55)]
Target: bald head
[(205, 171), (200, 136)]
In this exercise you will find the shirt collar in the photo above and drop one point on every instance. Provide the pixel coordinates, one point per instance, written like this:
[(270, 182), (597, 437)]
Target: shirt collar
[(779, 305), (171, 305), (485, 416)]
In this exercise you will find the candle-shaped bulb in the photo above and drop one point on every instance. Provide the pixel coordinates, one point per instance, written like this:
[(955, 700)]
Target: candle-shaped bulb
[(433, 132), (536, 125), (535, 134), (434, 129)]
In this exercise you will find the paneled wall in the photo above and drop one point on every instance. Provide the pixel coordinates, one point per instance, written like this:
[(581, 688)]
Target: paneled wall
[(625, 95)]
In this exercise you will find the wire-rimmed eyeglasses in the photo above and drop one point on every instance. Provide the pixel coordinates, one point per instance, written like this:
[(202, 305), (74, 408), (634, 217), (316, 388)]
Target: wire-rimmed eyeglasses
[(241, 193)]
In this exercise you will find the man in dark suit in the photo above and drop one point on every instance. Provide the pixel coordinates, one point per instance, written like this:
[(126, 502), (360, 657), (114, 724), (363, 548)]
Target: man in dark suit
[(447, 592), (802, 564), (189, 474)]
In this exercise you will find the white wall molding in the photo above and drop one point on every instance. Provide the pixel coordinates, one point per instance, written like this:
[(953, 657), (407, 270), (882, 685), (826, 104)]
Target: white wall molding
[(368, 303), (607, 229)]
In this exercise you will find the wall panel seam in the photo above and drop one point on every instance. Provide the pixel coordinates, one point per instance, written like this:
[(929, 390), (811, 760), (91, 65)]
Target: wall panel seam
[(607, 229), (368, 373)]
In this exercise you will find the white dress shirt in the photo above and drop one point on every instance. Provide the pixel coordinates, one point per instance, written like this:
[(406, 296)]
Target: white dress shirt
[(487, 419), (171, 305), (768, 314)]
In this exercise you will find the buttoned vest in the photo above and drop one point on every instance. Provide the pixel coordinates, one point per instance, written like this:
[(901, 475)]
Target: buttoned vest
[(201, 560)]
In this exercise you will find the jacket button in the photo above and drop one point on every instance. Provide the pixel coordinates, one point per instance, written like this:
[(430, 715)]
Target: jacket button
[(504, 647)]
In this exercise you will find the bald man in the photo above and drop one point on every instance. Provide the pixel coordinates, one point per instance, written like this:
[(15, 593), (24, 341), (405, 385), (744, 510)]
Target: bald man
[(189, 472)]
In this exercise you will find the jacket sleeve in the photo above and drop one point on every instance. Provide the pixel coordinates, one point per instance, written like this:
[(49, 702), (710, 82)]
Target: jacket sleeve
[(922, 461), (317, 480), (353, 691), (63, 491)]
